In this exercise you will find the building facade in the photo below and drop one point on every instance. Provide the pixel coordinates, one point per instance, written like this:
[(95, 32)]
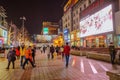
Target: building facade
[(91, 18), (67, 19), (3, 27), (50, 28)]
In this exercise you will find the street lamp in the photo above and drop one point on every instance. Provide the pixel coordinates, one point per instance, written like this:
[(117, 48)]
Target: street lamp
[(23, 21)]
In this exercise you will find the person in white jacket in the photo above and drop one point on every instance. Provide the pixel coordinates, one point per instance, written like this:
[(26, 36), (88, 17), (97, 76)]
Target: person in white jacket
[(48, 52)]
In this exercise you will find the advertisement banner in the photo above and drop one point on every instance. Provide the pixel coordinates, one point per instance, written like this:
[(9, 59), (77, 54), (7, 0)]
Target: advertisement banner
[(97, 23)]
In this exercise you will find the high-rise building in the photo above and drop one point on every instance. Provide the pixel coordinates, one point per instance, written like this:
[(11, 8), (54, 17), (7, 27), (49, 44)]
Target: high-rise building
[(3, 27), (50, 28)]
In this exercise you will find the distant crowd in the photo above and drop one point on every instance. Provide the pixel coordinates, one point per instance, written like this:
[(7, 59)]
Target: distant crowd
[(27, 54)]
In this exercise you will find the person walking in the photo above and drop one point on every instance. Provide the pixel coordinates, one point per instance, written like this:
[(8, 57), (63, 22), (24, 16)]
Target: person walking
[(57, 50), (33, 54), (41, 49), (67, 53), (44, 49), (112, 52), (52, 51), (22, 54), (17, 52), (48, 52), (11, 56), (61, 50), (28, 57)]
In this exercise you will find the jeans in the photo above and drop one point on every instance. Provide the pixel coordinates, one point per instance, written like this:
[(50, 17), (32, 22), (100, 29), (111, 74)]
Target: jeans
[(112, 57), (26, 61), (67, 60), (21, 60), (33, 57), (12, 63)]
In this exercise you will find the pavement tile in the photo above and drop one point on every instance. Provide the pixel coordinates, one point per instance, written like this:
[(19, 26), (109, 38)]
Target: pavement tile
[(55, 69)]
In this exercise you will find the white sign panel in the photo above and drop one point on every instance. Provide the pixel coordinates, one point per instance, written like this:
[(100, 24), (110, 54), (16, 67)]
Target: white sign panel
[(100, 22)]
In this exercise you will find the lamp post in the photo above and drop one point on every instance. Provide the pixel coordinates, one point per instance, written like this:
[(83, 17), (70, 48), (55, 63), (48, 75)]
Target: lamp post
[(23, 22)]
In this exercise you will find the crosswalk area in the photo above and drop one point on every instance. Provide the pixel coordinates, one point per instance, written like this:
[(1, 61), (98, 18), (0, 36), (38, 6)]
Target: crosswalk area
[(80, 68), (89, 66)]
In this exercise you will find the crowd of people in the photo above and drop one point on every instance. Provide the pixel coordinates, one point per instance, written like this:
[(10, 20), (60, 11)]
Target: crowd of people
[(26, 54), (23, 53), (53, 51)]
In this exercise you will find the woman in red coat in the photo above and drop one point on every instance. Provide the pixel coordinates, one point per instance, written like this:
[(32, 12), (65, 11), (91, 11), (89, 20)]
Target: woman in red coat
[(17, 52)]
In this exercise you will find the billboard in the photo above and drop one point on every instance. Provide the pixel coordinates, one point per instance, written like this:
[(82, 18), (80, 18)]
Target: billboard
[(97, 23), (44, 38), (66, 35)]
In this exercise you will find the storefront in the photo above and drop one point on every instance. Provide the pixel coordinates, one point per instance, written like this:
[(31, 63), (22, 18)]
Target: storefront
[(97, 29), (58, 41), (75, 38), (97, 41)]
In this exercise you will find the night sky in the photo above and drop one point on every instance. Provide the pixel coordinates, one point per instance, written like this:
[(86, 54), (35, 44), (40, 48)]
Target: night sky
[(35, 11)]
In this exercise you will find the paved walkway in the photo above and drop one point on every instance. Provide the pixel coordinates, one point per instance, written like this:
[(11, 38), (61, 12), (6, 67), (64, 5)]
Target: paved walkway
[(80, 68)]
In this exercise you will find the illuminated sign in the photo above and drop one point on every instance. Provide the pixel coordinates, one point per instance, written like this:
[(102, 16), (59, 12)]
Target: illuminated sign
[(69, 4), (66, 35), (100, 22), (45, 30)]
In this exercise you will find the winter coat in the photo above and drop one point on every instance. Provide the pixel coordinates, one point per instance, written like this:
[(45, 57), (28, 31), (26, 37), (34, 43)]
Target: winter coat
[(112, 49), (33, 52), (28, 54), (52, 49), (11, 56), (22, 51), (67, 50), (17, 52)]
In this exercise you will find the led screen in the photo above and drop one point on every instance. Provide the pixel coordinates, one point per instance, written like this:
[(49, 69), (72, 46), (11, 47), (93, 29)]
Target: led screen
[(100, 22)]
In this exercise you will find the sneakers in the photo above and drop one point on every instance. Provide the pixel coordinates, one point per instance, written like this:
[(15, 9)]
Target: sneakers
[(7, 68)]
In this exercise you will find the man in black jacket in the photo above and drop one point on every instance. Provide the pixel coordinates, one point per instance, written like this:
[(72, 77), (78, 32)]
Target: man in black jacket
[(52, 51), (112, 52)]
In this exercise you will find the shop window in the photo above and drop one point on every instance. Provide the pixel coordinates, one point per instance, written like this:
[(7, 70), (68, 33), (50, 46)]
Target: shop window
[(101, 42), (93, 43)]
